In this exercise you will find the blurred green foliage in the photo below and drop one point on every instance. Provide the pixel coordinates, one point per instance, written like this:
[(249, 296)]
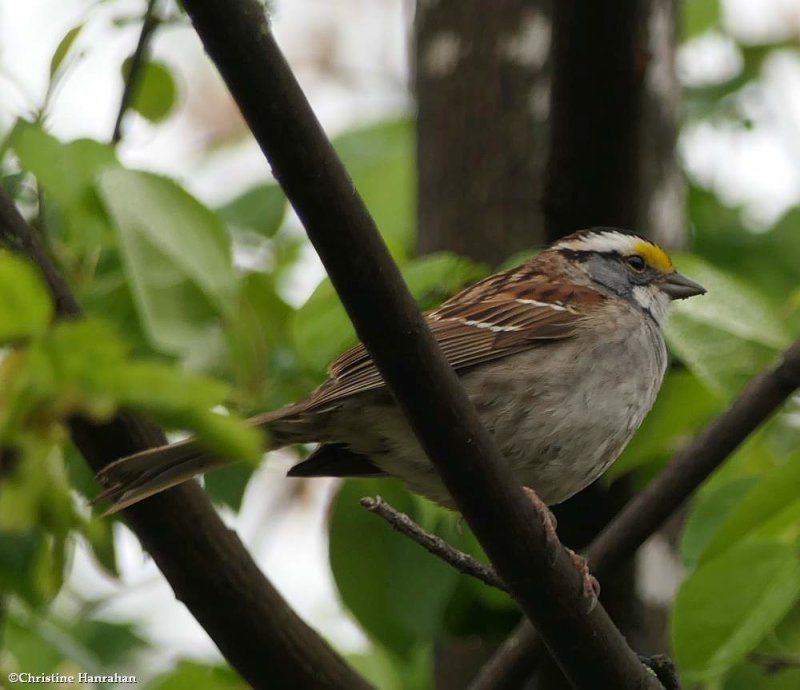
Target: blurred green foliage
[(188, 309)]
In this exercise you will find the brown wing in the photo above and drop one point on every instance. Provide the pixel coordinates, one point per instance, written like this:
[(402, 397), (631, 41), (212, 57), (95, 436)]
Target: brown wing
[(471, 333)]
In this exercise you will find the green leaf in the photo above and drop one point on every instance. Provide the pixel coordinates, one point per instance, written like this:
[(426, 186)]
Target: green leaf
[(771, 508), (25, 305), (181, 400), (435, 277), (731, 305), (29, 647), (18, 554), (190, 675), (724, 363), (13, 183), (260, 209), (177, 254), (727, 605), (379, 668), (380, 159), (519, 258), (80, 475), (787, 635), (707, 514), (110, 293), (67, 172), (229, 437), (765, 259), (322, 330), (100, 536), (36, 494), (167, 389), (378, 572), (726, 336), (63, 48), (111, 643), (31, 565), (258, 339), (156, 93), (82, 367), (82, 360), (227, 485), (751, 677), (699, 16), (777, 664)]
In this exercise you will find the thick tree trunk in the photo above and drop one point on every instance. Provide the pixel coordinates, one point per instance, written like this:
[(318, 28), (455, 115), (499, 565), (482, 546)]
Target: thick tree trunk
[(504, 166), (482, 90), (482, 87), (614, 116), (662, 191), (614, 110)]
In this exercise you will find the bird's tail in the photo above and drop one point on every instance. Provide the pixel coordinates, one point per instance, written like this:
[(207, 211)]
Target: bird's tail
[(133, 478), (136, 477)]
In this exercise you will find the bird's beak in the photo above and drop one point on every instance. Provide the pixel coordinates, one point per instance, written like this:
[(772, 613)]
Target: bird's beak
[(678, 286)]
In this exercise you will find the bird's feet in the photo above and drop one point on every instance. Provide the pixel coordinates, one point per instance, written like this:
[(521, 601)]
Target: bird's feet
[(664, 669), (548, 520), (591, 587)]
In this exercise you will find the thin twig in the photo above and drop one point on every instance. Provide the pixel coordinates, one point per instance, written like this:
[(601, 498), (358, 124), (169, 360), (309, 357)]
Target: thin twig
[(150, 23), (461, 561), (773, 663)]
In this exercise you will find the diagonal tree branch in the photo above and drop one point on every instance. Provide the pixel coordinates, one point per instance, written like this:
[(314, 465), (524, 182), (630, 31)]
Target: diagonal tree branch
[(539, 573), (150, 23), (662, 497), (206, 564)]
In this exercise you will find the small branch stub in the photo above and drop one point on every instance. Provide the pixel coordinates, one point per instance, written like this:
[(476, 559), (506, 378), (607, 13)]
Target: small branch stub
[(461, 561)]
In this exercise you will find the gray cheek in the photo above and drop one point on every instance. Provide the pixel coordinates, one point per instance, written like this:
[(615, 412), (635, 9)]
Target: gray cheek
[(608, 273)]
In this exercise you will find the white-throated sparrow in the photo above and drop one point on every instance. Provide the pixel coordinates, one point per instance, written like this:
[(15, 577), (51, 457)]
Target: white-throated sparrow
[(562, 357)]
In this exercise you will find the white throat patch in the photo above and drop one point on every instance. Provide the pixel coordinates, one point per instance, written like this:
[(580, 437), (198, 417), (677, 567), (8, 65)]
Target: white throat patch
[(654, 300)]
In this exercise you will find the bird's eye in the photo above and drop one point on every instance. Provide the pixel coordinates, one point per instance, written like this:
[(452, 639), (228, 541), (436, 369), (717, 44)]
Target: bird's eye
[(636, 263)]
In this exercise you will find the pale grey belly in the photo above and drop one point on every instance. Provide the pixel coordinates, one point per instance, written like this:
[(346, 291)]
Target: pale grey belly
[(559, 420)]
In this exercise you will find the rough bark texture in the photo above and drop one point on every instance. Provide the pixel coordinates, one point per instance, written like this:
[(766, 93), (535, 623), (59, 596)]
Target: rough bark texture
[(482, 86), (615, 111), (482, 91), (614, 119), (662, 190), (611, 161)]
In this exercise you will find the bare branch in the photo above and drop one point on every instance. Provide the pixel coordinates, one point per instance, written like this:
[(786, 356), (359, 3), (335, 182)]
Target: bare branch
[(773, 663), (664, 495), (150, 23), (461, 561), (538, 571)]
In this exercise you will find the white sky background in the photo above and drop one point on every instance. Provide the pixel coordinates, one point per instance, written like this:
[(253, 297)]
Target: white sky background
[(351, 57)]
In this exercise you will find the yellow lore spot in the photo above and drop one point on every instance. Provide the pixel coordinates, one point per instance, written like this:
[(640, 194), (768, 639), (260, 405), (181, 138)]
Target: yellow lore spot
[(654, 255)]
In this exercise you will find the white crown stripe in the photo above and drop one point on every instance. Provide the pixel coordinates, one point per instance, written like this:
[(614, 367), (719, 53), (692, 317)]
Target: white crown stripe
[(602, 242)]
